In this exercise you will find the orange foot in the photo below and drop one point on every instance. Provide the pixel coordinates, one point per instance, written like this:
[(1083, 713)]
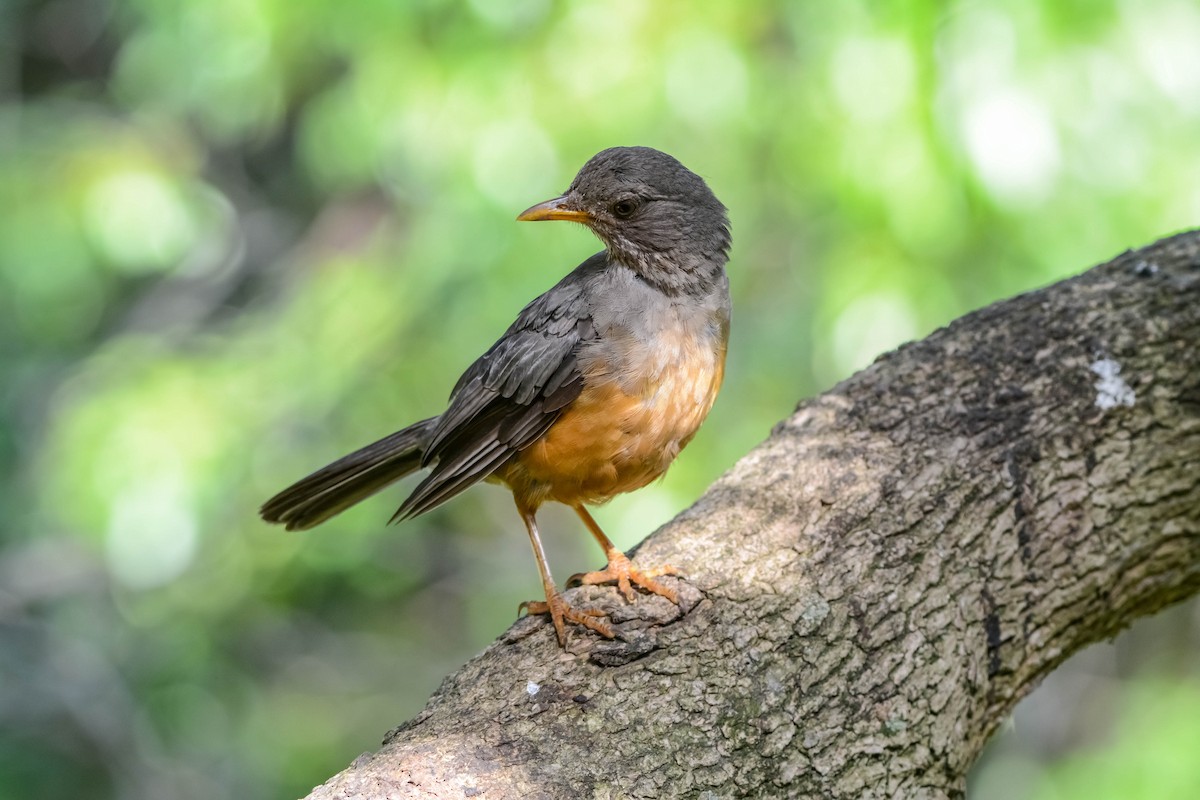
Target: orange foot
[(562, 612), (620, 569)]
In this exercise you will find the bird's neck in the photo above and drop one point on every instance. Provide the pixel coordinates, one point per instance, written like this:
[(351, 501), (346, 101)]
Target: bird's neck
[(675, 272)]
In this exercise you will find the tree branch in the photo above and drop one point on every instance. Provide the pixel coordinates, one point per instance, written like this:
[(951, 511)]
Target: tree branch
[(873, 588)]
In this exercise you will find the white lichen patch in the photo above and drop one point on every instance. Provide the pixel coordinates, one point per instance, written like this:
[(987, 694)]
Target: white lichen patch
[(1111, 389)]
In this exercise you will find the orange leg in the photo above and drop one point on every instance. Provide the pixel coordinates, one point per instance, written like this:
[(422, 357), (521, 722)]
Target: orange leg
[(620, 569), (559, 610)]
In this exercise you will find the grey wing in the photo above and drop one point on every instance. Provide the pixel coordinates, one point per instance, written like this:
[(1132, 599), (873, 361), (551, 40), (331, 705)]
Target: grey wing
[(509, 397)]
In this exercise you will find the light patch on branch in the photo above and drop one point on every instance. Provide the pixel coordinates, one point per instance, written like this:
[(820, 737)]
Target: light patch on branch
[(1111, 388)]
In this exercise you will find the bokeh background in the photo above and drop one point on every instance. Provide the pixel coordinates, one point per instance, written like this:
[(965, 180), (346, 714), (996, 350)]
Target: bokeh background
[(239, 238)]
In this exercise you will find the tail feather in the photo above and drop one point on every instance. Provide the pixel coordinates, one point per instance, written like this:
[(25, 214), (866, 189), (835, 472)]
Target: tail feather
[(349, 480)]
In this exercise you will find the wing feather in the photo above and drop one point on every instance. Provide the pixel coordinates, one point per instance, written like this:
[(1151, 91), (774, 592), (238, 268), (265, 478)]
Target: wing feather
[(512, 394)]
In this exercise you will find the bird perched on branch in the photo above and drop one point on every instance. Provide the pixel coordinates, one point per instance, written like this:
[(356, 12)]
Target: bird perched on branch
[(593, 390)]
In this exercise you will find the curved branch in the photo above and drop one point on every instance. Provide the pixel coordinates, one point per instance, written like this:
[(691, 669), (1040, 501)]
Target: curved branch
[(874, 587)]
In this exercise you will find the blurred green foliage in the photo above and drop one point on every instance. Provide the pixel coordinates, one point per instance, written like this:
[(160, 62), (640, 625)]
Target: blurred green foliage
[(1153, 753), (239, 238)]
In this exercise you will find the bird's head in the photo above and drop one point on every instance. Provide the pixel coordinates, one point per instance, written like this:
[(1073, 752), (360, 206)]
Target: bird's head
[(653, 214)]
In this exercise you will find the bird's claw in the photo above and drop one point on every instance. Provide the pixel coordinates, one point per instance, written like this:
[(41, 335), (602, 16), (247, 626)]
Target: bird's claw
[(621, 570), (561, 612)]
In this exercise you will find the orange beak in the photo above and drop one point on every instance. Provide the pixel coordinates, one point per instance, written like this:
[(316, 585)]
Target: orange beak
[(557, 208)]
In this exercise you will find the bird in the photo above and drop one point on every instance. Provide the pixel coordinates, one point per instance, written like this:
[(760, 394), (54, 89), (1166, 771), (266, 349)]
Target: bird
[(590, 393)]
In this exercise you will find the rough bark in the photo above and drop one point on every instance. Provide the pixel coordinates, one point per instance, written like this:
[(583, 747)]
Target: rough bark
[(873, 588)]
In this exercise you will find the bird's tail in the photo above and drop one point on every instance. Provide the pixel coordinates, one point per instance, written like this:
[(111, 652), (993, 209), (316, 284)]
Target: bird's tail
[(349, 480)]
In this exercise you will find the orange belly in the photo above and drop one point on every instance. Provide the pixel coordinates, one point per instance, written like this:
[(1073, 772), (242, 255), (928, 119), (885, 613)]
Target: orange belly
[(615, 438)]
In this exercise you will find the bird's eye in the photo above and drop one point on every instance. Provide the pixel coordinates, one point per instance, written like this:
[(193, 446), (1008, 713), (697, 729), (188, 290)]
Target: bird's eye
[(624, 208)]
